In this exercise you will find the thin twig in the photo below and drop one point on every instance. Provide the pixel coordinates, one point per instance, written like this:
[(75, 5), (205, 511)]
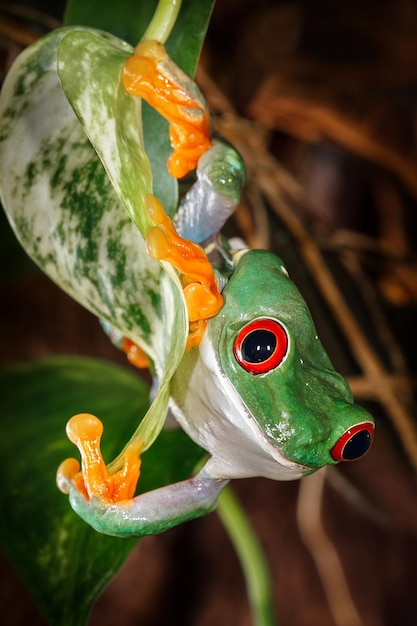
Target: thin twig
[(314, 121), (324, 553)]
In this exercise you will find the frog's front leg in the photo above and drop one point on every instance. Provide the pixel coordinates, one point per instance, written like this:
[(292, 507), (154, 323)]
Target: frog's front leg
[(151, 74), (106, 501), (201, 289)]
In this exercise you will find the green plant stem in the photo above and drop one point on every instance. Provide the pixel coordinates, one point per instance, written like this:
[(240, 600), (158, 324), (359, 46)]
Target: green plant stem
[(251, 556), (163, 20)]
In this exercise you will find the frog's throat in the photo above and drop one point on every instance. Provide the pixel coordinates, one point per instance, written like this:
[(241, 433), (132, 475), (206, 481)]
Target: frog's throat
[(221, 423)]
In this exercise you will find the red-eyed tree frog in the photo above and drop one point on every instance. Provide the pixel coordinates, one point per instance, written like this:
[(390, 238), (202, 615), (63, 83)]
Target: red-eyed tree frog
[(251, 383)]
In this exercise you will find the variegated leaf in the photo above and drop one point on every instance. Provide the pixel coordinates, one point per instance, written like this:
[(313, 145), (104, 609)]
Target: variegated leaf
[(89, 68), (65, 211)]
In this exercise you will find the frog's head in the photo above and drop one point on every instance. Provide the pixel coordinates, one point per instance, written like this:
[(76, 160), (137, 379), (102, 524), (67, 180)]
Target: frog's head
[(269, 351)]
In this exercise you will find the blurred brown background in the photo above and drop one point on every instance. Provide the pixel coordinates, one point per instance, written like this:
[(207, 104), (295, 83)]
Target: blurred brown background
[(320, 97)]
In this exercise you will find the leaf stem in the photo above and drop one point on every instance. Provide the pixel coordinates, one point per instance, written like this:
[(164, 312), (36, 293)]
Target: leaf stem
[(251, 556), (163, 20)]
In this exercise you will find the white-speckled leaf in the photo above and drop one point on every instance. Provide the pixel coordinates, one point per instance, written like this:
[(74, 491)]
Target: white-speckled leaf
[(69, 219), (89, 68)]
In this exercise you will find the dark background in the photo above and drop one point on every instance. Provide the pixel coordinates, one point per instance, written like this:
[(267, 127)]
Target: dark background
[(320, 98)]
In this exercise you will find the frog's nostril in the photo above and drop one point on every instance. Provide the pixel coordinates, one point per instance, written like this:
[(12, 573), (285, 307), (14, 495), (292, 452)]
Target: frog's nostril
[(354, 443)]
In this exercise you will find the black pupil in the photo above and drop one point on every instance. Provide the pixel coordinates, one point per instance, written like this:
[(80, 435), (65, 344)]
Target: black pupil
[(357, 446), (258, 346)]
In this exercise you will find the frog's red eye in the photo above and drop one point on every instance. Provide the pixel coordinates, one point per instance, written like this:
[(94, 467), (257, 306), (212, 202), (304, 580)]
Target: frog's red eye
[(354, 443), (261, 346)]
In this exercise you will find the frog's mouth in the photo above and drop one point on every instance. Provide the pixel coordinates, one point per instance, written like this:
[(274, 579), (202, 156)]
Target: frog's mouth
[(351, 446), (347, 446)]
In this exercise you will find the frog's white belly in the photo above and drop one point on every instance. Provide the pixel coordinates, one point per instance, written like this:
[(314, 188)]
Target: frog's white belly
[(212, 413)]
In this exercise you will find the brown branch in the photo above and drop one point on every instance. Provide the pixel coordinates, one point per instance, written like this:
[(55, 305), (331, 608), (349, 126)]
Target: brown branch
[(324, 553), (313, 122)]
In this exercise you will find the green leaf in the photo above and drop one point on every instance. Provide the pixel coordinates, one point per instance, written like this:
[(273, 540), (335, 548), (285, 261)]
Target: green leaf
[(124, 19), (89, 68), (63, 561), (187, 37), (129, 21)]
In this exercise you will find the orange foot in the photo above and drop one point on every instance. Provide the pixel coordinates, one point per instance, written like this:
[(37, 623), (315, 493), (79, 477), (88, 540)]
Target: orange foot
[(199, 282), (136, 356), (85, 430), (153, 76)]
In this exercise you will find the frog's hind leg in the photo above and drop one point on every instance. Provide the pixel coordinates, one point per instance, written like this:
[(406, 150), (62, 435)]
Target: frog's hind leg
[(106, 502), (152, 75), (94, 481)]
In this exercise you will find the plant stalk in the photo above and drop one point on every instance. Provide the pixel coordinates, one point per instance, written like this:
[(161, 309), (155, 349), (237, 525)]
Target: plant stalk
[(251, 556), (163, 20)]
